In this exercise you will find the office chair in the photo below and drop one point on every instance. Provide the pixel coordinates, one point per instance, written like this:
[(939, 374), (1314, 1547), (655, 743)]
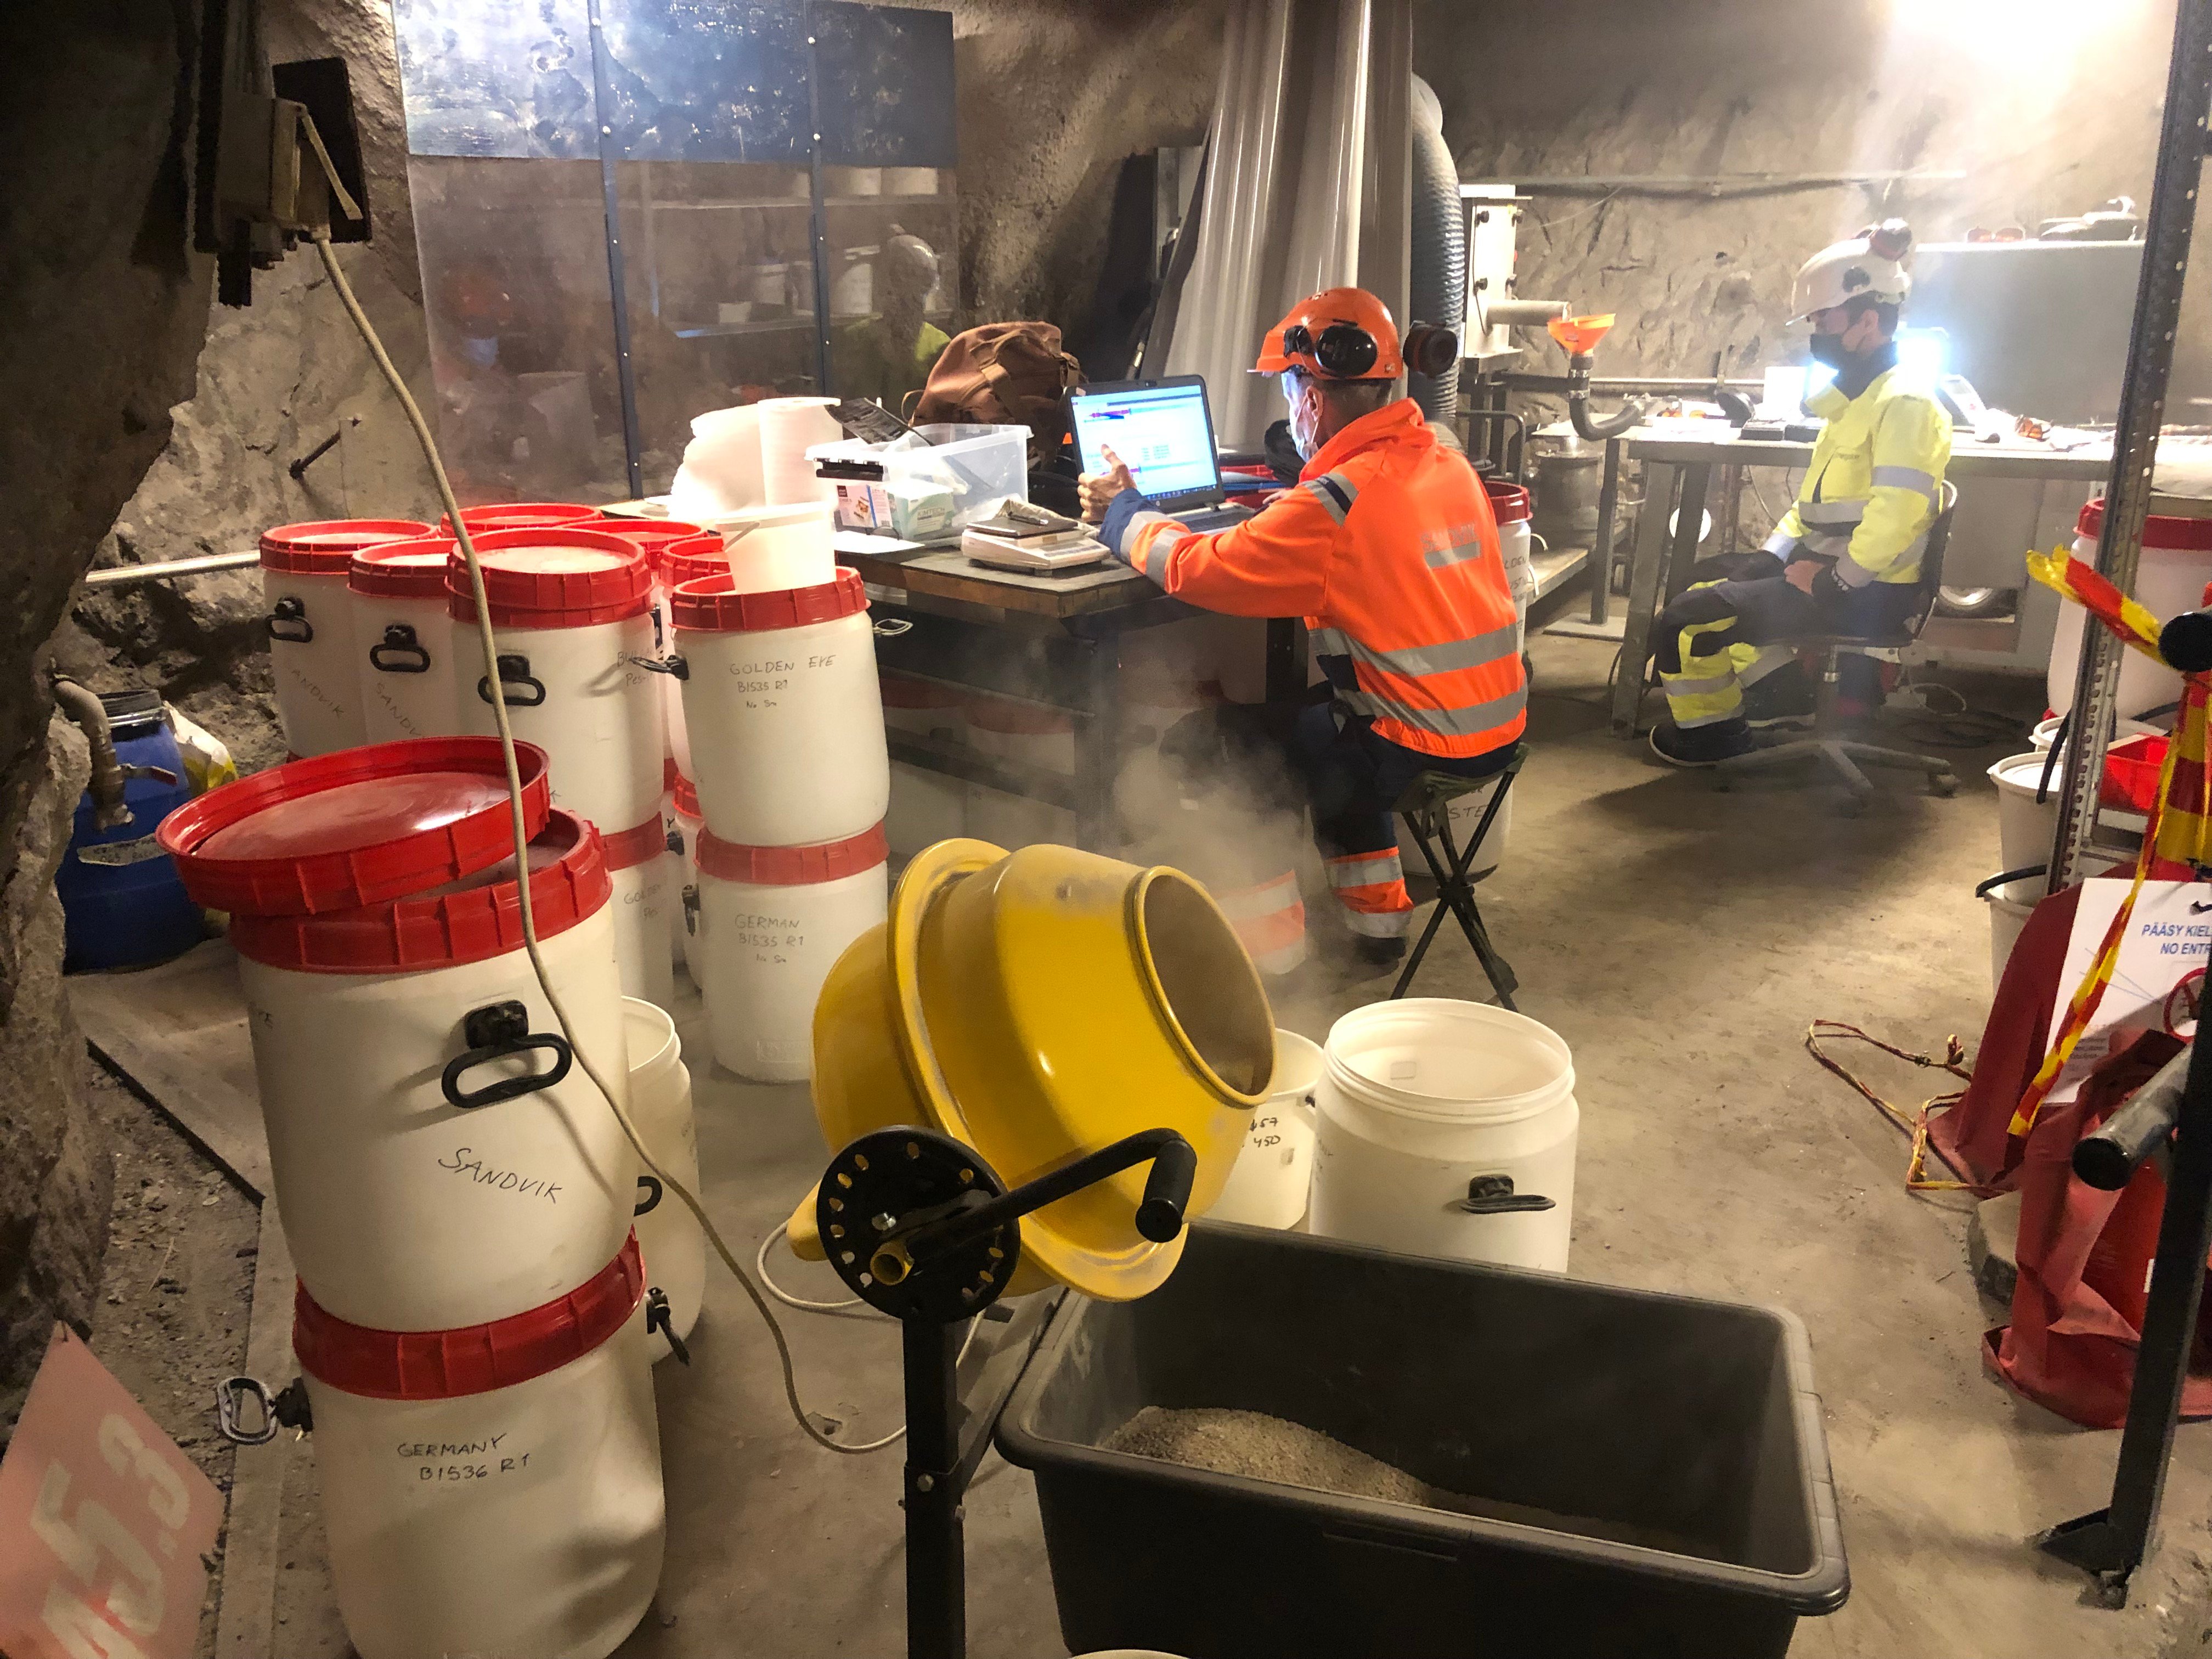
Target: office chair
[(1841, 755)]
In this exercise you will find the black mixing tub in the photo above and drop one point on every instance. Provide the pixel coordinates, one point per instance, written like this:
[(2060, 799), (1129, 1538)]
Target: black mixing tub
[(1648, 1472)]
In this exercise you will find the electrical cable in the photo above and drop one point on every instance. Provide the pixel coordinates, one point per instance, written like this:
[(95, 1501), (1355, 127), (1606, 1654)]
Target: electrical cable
[(521, 833), (760, 1267)]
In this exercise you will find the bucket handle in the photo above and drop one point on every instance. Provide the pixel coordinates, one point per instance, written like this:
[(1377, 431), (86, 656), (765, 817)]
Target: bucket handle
[(2004, 876), (649, 1194), (660, 1317), (514, 670), (492, 1032), (1493, 1194), (290, 613), (288, 1408), (674, 665), (891, 627), (691, 910), (399, 643)]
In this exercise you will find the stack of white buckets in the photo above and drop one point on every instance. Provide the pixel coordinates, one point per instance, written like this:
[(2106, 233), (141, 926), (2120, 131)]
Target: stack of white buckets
[(472, 1311), (790, 777), (1426, 1126), (2170, 577)]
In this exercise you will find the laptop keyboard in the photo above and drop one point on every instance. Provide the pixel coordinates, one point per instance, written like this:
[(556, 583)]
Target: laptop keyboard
[(1213, 518)]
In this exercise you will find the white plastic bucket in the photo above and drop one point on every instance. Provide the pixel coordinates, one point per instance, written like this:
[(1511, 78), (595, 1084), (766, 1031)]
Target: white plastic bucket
[(641, 872), (403, 640), (1427, 1106), (772, 548), (772, 922), (2170, 578), (1043, 738), (926, 807), (688, 561), (1465, 814), (1509, 506), (571, 614), (309, 625), (2010, 905), (405, 1210), (786, 722), (493, 1491), (2025, 829), (2047, 731), (1267, 1184), (684, 799), (660, 1105)]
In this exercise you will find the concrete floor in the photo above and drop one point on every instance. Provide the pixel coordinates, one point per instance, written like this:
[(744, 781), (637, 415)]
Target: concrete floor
[(1680, 941)]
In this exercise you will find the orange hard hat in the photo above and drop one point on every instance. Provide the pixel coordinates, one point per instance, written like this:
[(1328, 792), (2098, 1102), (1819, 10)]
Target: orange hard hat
[(1338, 334)]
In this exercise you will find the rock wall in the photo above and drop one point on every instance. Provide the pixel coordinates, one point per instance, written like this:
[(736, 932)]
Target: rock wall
[(105, 310), (2040, 121)]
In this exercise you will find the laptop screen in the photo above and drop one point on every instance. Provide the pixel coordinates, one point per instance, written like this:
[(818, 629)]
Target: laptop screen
[(1163, 433)]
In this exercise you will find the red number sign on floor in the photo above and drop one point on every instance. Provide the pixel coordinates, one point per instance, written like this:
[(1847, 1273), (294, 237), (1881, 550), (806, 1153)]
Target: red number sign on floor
[(103, 1523)]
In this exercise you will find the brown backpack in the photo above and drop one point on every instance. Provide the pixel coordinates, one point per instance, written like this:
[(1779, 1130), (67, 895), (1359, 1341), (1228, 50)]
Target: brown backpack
[(1004, 374)]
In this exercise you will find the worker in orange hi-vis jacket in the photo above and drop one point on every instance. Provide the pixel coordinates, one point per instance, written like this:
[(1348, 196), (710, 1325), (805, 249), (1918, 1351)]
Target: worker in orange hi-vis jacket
[(1388, 549)]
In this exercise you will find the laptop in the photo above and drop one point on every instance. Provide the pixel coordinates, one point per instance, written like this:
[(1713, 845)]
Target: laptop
[(1163, 432)]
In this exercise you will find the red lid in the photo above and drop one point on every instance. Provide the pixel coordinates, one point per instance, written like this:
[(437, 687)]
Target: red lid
[(477, 917), (518, 515), (2159, 530), (632, 847), (1018, 718), (709, 606), (687, 798), (412, 569), (325, 547), (695, 558), (792, 867), (902, 691), (650, 535), (476, 1359), (1508, 503), (563, 577), (355, 827)]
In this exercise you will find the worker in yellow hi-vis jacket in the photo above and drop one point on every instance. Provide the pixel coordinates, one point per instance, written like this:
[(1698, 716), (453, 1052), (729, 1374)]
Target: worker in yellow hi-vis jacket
[(1846, 555)]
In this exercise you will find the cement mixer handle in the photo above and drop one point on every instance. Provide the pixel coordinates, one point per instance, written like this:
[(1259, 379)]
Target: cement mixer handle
[(2108, 1156), (1167, 1190)]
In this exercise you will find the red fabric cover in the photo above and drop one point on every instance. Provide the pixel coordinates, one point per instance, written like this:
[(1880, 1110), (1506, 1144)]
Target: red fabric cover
[(1973, 1137), (2084, 1258)]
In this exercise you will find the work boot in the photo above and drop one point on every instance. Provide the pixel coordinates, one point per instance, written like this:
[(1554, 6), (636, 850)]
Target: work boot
[(1701, 745), (1784, 697)]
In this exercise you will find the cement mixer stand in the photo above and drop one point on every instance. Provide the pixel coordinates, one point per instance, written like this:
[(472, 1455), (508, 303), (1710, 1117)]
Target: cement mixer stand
[(919, 1227)]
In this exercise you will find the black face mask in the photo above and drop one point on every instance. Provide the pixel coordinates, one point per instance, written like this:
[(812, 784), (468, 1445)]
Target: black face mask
[(1829, 348)]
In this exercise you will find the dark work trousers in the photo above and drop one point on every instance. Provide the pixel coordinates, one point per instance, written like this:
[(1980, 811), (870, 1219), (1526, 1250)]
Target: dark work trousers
[(1766, 609), (1316, 754)]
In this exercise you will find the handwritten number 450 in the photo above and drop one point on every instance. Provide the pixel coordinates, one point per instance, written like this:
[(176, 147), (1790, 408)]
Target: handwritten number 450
[(137, 1606)]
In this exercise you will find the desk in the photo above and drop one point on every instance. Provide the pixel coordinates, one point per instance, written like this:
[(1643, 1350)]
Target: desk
[(1676, 473), (1051, 641)]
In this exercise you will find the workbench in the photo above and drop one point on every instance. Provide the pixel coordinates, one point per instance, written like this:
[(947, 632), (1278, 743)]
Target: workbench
[(1051, 641), (1677, 472)]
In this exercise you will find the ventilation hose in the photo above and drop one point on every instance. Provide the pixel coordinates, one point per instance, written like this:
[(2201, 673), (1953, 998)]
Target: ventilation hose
[(105, 787), (1438, 294)]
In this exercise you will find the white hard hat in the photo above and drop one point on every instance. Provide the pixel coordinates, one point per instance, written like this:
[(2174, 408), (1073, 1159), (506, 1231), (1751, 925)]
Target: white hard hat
[(1871, 264)]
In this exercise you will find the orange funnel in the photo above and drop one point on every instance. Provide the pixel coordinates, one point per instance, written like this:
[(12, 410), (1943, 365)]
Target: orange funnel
[(1580, 335)]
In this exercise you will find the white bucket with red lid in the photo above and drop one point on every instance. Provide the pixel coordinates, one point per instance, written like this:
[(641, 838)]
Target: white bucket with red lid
[(695, 558), (785, 719), (495, 1489), (2171, 575), (771, 922), (438, 1158), (571, 614), (640, 870), (660, 1106), (684, 805), (1030, 735), (403, 639), (309, 623), (1510, 505), (518, 515)]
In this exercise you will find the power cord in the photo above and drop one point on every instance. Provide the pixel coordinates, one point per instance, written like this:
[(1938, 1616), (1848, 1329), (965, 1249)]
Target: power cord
[(521, 828), (760, 1267)]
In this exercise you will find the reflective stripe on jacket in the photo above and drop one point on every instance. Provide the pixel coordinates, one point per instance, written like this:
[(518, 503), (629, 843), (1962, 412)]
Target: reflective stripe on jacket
[(1387, 547), (1871, 489)]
